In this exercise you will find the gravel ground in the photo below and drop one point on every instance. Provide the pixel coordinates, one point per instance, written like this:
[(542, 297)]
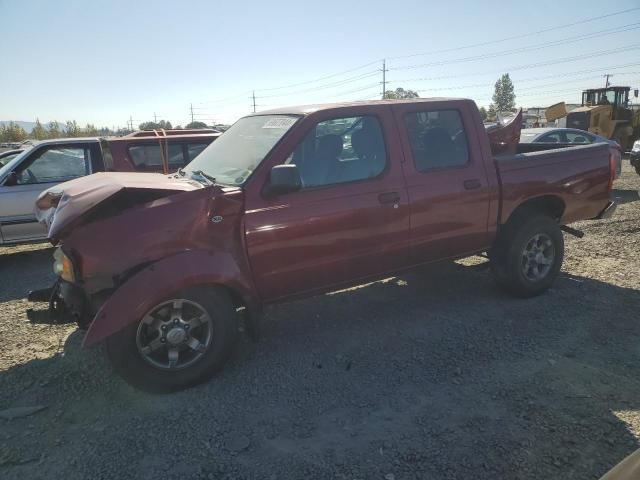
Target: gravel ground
[(434, 374)]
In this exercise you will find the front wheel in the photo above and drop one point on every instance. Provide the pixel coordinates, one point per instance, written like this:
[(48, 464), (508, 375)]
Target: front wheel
[(178, 343), (528, 255), (637, 167)]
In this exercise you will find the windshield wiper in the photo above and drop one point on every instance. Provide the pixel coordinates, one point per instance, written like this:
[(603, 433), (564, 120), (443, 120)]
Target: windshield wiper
[(181, 172), (211, 179)]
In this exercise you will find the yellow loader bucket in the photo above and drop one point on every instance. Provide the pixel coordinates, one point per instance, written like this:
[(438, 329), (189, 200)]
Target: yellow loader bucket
[(556, 111)]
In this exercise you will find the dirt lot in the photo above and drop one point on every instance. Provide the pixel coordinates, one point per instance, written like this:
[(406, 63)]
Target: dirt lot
[(435, 374)]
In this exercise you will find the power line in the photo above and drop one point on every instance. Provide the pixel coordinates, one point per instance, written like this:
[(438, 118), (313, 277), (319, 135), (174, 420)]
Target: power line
[(563, 41), (584, 36), (530, 34), (326, 77), (489, 84), (325, 86)]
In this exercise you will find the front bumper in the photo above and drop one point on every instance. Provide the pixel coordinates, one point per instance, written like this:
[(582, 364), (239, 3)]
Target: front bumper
[(634, 157), (608, 211), (68, 303)]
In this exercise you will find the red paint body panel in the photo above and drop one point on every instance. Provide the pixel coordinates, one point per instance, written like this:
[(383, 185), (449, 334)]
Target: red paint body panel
[(447, 220), (575, 175), (160, 281), (328, 235), (270, 248)]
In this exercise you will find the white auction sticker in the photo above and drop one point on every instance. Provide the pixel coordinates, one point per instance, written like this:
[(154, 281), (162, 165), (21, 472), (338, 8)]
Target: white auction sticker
[(279, 122)]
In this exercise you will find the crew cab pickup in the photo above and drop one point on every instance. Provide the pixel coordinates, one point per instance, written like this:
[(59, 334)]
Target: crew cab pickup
[(299, 201), (50, 162)]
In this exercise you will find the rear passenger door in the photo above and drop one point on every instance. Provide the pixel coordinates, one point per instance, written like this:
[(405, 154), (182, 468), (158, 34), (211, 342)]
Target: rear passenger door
[(446, 181)]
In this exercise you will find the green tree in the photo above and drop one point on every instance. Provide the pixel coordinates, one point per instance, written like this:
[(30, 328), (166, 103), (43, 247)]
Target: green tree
[(483, 113), (90, 130), (399, 93), (72, 129), (491, 113), (39, 132), (153, 125), (196, 124), (12, 132), (504, 97), (54, 130)]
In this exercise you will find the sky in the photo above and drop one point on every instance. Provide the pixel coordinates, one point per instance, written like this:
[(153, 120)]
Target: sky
[(104, 62)]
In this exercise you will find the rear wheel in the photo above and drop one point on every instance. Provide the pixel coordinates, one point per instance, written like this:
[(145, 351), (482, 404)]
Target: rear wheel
[(528, 255), (178, 343)]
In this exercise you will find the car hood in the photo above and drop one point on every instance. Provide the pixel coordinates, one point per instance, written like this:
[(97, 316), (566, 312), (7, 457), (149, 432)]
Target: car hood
[(62, 205)]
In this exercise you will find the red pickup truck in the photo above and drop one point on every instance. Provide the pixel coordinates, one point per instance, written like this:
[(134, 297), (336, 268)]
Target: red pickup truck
[(299, 201)]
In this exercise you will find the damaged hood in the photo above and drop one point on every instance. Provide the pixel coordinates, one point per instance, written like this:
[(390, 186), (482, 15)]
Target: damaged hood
[(61, 205)]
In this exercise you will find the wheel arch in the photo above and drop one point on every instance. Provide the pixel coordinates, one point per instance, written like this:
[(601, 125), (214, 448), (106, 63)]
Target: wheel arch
[(551, 205), (165, 277)]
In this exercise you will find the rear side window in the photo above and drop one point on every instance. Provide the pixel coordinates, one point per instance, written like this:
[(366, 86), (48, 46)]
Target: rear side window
[(550, 138), (437, 139), (341, 150), (147, 157), (194, 149), (580, 138)]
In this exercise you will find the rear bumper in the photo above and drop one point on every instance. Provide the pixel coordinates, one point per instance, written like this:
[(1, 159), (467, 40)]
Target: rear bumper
[(608, 211)]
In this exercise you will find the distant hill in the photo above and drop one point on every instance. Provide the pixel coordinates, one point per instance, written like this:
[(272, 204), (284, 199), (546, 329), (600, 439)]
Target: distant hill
[(28, 126)]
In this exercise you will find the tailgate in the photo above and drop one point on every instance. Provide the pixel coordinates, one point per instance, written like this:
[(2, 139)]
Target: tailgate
[(578, 176)]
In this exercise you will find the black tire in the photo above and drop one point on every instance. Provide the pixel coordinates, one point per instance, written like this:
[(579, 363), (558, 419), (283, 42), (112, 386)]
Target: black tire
[(128, 361), (637, 167), (508, 262)]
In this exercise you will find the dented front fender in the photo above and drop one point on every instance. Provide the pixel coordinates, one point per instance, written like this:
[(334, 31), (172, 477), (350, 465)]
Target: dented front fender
[(160, 281)]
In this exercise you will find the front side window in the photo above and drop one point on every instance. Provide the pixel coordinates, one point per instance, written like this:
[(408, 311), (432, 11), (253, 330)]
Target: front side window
[(437, 138), (56, 165), (340, 150), (147, 157), (237, 153)]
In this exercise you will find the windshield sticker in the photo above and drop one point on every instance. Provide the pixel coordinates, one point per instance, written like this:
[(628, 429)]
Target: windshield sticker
[(280, 122)]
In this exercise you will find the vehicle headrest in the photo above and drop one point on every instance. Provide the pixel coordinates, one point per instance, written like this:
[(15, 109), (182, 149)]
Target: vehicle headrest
[(367, 141), (330, 146), (437, 139)]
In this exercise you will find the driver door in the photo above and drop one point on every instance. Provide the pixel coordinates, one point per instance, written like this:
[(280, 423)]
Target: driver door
[(44, 168)]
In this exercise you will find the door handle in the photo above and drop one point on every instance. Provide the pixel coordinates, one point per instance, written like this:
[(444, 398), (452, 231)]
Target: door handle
[(389, 198), (472, 184)]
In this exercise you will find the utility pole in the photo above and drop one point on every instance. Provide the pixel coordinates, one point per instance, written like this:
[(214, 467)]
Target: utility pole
[(606, 76), (155, 117), (253, 100), (191, 107), (384, 78), (130, 123)]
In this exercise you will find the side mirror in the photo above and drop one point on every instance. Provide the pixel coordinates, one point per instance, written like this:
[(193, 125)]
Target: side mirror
[(284, 179), (11, 179)]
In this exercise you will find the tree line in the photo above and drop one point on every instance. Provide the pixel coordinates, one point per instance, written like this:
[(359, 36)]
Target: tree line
[(13, 132)]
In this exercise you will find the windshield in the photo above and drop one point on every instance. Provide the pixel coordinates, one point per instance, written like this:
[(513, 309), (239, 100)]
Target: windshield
[(234, 156), (12, 163), (528, 137)]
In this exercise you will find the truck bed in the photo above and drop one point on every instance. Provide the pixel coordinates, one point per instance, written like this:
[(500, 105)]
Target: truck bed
[(579, 176)]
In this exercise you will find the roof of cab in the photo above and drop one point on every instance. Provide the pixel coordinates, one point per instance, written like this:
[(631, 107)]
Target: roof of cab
[(309, 109)]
